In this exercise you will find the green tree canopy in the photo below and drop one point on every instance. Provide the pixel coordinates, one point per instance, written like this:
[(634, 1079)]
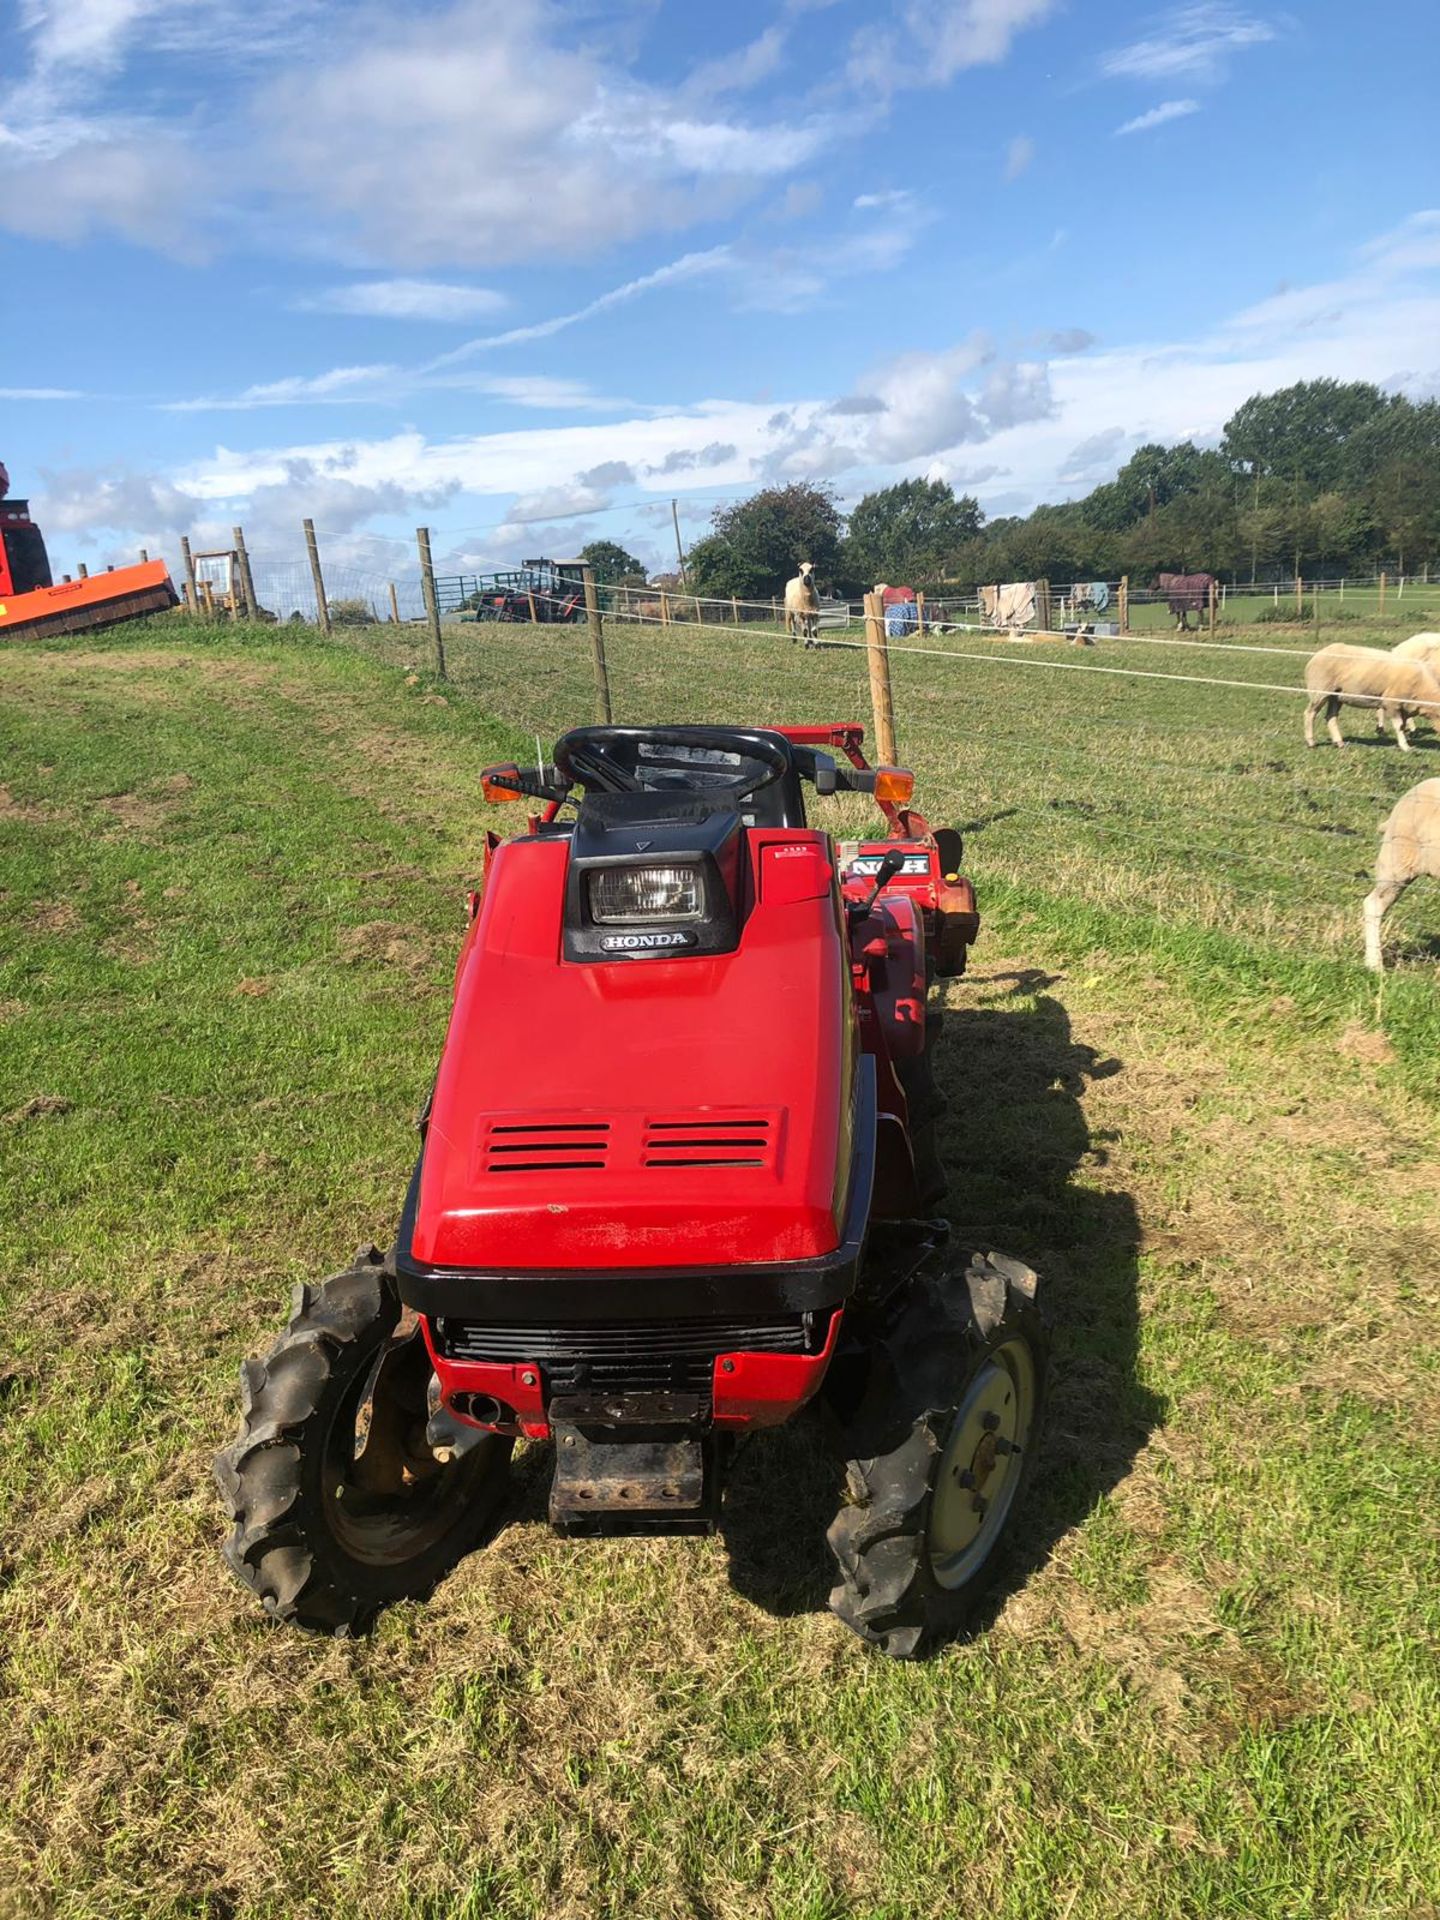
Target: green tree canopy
[(1301, 433), (909, 532), (758, 544), (613, 565), (1151, 478)]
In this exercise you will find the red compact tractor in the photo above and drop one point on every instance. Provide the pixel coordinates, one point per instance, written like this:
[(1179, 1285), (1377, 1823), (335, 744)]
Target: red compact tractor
[(678, 1180)]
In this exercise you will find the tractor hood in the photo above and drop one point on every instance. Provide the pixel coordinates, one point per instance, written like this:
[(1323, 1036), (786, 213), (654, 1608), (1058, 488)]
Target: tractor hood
[(643, 1112)]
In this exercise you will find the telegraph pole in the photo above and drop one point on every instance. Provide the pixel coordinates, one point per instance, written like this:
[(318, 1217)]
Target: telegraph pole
[(679, 550)]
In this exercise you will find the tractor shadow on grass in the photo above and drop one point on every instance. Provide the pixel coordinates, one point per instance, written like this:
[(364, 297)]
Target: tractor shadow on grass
[(1016, 1136)]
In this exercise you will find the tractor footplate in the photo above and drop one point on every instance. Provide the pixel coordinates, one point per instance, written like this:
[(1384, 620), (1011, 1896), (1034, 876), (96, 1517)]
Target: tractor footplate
[(602, 1485)]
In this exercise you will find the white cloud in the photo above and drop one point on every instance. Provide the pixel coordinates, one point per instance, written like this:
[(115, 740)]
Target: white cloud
[(40, 393), (689, 266), (734, 72), (470, 132), (406, 300), (1019, 156), (1196, 41), (938, 39), (339, 384), (1037, 427), (1157, 116)]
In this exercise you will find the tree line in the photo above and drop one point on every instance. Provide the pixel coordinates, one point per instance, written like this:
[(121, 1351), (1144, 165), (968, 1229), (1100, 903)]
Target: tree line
[(1325, 477)]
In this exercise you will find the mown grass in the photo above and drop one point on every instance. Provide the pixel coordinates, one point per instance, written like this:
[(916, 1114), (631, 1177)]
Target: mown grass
[(233, 876)]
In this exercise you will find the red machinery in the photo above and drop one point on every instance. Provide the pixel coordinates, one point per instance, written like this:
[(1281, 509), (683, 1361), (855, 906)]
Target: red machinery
[(678, 1179), (31, 604)]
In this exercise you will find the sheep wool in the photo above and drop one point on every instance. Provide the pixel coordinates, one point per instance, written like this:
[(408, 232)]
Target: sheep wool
[(1369, 677), (1410, 848)]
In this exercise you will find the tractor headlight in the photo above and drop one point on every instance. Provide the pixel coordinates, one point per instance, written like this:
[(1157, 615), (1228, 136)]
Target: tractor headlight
[(623, 895)]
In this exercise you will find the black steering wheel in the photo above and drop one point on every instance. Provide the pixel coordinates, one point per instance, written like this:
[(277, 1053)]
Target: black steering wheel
[(585, 755)]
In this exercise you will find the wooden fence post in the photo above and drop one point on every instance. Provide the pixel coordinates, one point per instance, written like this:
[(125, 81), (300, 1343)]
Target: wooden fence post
[(774, 610), (734, 610), (596, 625), (1299, 598), (1382, 591), (394, 605), (247, 578), (1042, 605), (878, 651), (534, 616), (209, 593), (322, 606), (1124, 603), (1214, 600), (192, 596), (664, 608), (432, 604)]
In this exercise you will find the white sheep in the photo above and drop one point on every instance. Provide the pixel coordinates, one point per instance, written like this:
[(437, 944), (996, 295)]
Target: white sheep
[(1368, 677), (1410, 848), (802, 605), (1424, 647)]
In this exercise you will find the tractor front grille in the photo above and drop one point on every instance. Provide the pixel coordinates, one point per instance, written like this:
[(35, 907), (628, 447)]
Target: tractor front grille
[(635, 1356)]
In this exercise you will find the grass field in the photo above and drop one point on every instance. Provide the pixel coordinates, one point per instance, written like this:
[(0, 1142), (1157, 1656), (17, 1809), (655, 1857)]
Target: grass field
[(1208, 1685)]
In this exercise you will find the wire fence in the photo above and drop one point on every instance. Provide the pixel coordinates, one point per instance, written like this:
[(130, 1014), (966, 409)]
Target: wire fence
[(1124, 775)]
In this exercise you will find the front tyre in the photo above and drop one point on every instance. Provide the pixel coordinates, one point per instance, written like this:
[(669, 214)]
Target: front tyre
[(341, 1500), (938, 1452)]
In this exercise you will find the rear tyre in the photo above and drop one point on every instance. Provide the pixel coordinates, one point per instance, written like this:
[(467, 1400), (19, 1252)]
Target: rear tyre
[(938, 1453), (341, 1500)]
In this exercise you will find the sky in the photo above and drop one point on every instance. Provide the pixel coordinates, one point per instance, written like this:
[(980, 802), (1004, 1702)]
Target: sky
[(523, 271)]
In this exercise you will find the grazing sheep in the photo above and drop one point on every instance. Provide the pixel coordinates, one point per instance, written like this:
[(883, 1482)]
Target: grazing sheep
[(1368, 677), (802, 605), (1410, 848), (1424, 647)]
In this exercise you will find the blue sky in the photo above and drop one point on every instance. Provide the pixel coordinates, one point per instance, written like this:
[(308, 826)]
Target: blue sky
[(523, 270)]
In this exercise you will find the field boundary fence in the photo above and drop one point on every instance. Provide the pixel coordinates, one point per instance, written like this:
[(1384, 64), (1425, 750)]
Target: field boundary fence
[(1112, 807)]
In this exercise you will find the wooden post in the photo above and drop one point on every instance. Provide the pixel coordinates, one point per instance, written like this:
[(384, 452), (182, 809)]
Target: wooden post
[(322, 605), (878, 652), (1299, 598), (534, 616), (394, 605), (1214, 599), (920, 612), (247, 578), (209, 593), (234, 594), (1382, 591), (774, 610), (1124, 603), (699, 616), (597, 645), (1042, 605), (432, 604), (664, 608), (734, 610), (192, 596)]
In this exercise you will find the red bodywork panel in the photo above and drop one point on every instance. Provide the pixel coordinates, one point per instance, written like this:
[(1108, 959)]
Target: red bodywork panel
[(654, 1112), (748, 1389)]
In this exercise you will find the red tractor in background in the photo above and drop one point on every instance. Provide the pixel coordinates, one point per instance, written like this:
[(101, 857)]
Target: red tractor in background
[(678, 1179), (32, 605)]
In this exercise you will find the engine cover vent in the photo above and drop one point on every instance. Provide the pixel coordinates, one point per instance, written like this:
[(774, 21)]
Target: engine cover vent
[(741, 1138), (551, 1145)]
